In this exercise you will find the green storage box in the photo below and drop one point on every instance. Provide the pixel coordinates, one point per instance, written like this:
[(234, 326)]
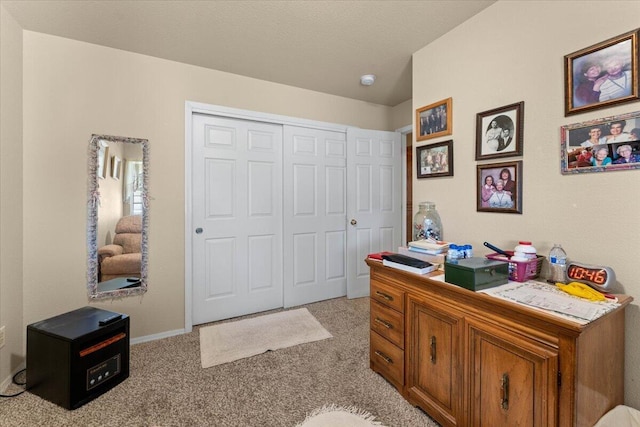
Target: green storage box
[(476, 274)]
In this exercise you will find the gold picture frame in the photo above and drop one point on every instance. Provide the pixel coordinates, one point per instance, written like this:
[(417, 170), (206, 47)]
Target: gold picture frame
[(602, 75), (434, 120)]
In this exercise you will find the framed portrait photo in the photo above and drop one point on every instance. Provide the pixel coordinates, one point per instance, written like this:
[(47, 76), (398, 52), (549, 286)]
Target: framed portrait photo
[(434, 120), (607, 144), (602, 75), (435, 160), (499, 187), (499, 132)]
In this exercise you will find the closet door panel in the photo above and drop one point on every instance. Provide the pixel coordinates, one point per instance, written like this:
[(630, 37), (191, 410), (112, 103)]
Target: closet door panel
[(237, 217), (314, 215)]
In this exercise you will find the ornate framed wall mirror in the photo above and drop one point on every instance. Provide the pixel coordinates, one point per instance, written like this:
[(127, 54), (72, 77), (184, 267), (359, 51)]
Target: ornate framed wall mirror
[(117, 216)]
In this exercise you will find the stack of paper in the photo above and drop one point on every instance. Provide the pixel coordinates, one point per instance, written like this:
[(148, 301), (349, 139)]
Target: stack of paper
[(549, 298), (428, 247)]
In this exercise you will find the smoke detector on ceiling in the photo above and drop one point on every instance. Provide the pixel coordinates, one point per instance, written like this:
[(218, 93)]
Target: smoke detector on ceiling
[(367, 79)]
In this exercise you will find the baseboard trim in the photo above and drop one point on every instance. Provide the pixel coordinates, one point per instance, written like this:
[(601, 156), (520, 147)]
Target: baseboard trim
[(155, 337), (9, 380)]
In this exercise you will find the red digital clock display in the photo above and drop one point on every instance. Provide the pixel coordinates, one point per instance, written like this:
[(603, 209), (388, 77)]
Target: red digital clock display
[(597, 276)]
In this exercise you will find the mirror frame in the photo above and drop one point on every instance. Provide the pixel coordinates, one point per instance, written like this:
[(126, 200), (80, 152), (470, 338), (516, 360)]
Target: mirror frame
[(93, 201)]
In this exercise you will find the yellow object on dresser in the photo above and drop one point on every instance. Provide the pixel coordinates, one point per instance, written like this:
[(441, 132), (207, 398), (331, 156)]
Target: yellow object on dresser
[(581, 290)]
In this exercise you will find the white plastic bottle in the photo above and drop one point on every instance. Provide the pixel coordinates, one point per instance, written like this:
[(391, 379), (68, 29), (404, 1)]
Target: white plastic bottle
[(525, 250), (453, 254), (468, 251), (557, 264)]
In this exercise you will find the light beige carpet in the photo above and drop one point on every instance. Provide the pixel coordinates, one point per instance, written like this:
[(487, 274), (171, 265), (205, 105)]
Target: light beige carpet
[(336, 416), (226, 342)]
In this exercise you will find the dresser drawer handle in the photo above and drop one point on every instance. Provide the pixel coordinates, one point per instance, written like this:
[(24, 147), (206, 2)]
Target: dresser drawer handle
[(432, 348), (384, 357), (385, 296), (504, 386), (384, 323)]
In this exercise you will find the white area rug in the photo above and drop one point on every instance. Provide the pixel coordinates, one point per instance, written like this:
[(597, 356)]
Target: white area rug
[(336, 416), (231, 341)]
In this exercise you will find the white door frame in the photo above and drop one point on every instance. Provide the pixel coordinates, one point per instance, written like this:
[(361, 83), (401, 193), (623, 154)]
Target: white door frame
[(217, 110), (403, 141)]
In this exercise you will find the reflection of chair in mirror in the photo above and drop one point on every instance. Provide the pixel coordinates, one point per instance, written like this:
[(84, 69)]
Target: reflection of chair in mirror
[(122, 258)]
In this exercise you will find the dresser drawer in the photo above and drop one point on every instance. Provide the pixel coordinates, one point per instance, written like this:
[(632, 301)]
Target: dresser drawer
[(388, 323), (387, 359), (387, 295)]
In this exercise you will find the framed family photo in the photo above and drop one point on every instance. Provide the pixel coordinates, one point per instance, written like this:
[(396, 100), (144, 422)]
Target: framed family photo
[(435, 160), (434, 120), (607, 144), (499, 187), (499, 132), (603, 74)]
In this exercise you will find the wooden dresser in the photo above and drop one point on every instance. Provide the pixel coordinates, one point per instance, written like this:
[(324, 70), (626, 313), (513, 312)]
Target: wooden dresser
[(470, 359)]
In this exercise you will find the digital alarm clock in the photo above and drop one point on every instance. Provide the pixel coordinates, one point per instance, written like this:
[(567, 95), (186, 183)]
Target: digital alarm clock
[(596, 276)]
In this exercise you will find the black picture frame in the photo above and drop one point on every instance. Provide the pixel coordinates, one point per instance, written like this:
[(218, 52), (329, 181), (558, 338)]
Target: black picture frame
[(616, 137), (505, 200), (588, 84), (499, 132), (435, 160)]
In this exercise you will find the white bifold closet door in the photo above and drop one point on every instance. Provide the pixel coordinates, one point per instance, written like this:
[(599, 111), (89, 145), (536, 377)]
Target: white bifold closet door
[(374, 194), (237, 216), (315, 214), (272, 213)]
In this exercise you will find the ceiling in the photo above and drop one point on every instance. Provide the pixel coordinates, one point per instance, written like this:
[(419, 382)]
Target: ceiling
[(323, 46)]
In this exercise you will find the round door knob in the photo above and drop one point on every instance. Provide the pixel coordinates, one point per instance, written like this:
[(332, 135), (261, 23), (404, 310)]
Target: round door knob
[(354, 222), (199, 230)]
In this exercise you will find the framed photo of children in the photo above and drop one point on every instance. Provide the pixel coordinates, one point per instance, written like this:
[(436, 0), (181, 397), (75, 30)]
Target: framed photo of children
[(608, 144), (435, 160), (602, 75), (499, 132), (499, 187), (434, 120)]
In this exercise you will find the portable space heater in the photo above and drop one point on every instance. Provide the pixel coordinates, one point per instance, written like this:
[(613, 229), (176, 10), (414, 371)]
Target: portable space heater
[(77, 356)]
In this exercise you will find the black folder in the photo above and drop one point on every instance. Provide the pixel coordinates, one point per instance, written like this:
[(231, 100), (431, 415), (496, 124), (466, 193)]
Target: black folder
[(407, 260)]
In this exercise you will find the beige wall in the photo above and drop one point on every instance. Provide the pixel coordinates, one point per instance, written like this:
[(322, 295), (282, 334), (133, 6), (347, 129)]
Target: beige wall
[(74, 89), (402, 115), (511, 52), (11, 355)]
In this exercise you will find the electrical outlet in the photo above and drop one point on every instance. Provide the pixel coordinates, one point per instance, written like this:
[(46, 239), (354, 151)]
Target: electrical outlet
[(1, 336)]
